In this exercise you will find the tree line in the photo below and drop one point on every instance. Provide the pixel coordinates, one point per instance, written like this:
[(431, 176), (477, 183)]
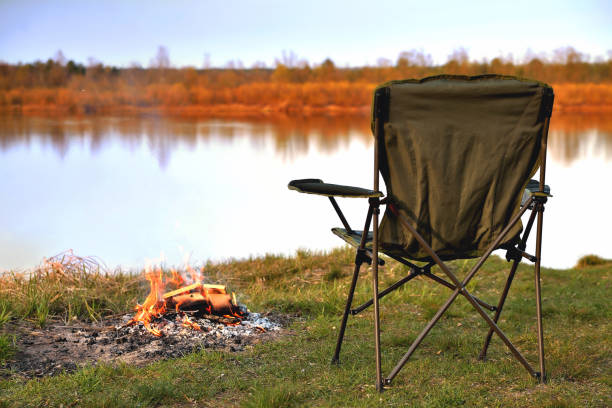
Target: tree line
[(292, 84)]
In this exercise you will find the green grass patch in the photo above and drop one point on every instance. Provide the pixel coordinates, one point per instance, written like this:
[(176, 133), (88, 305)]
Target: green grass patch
[(592, 260), (7, 347), (295, 370)]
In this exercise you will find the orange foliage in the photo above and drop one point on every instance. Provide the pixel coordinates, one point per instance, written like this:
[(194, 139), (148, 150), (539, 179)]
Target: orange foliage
[(294, 88), (249, 99), (583, 97)]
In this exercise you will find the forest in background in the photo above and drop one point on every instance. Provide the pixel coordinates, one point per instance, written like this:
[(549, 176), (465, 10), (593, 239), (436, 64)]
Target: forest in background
[(292, 86)]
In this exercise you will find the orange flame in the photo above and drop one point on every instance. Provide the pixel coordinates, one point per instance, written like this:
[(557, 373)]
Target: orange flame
[(155, 305), (176, 279)]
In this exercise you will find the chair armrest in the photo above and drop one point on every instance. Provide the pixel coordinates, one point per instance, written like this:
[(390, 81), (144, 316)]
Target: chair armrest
[(316, 186), (533, 186)]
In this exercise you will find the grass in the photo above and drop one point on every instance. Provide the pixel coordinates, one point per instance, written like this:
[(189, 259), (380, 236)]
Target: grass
[(295, 370)]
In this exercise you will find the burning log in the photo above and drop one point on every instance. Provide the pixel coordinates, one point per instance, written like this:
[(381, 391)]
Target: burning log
[(197, 298), (179, 291), (221, 303), (212, 299), (189, 302), (207, 288)]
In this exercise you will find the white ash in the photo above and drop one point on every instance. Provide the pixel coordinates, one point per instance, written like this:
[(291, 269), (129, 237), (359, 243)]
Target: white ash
[(252, 324), (59, 347)]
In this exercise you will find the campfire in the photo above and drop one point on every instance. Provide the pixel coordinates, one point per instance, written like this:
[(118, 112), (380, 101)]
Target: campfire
[(195, 299), (183, 313)]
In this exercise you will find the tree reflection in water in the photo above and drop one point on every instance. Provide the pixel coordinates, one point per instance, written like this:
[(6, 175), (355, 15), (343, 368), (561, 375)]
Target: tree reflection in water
[(292, 136)]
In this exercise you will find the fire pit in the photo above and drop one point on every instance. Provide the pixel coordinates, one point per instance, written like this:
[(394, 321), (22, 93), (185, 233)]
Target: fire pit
[(59, 347), (180, 315)]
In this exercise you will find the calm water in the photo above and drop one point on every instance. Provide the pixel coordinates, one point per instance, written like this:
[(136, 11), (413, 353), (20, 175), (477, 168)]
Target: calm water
[(132, 190)]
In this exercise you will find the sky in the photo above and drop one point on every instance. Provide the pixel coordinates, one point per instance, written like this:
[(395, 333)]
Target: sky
[(351, 33)]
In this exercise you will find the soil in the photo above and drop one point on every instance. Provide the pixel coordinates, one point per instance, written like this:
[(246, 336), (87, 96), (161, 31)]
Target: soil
[(59, 347)]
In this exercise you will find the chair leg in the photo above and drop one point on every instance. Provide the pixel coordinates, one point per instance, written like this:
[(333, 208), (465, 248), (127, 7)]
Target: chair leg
[(360, 258), (375, 298), (347, 309), (500, 305), (542, 373)]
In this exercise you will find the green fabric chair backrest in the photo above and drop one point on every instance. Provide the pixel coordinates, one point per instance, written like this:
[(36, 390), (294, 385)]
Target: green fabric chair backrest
[(455, 155)]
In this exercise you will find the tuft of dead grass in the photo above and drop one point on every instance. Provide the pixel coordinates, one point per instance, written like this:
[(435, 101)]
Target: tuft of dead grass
[(69, 287)]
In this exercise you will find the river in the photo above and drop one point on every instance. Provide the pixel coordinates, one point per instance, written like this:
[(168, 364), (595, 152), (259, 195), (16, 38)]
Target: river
[(130, 191)]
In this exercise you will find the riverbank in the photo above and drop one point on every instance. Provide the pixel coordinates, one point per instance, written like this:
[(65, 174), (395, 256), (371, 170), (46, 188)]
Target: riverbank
[(253, 100), (294, 370)]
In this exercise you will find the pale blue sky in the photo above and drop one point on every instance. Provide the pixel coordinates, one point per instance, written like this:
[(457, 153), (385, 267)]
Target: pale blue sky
[(350, 32)]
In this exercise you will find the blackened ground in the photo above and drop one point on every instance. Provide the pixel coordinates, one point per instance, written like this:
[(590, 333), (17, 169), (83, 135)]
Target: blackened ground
[(59, 347)]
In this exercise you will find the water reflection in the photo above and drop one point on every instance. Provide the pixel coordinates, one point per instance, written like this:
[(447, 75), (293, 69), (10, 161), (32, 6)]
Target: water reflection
[(575, 136), (572, 136), (292, 136), (128, 189)]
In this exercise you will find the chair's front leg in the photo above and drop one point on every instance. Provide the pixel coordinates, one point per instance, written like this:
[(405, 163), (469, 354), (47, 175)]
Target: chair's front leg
[(359, 259), (347, 309)]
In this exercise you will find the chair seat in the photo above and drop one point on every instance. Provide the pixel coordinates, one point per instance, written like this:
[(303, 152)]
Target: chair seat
[(353, 238)]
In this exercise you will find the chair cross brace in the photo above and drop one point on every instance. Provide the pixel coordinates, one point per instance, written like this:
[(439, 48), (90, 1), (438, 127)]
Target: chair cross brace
[(460, 288), (414, 272)]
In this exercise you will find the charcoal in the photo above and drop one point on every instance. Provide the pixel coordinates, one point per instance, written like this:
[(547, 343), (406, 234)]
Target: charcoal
[(60, 348)]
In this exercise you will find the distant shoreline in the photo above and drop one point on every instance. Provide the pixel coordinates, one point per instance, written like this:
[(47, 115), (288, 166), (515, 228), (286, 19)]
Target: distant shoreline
[(299, 100), (229, 111)]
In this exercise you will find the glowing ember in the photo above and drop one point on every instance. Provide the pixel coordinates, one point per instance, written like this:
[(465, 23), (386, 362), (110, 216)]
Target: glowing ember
[(197, 298), (189, 323)]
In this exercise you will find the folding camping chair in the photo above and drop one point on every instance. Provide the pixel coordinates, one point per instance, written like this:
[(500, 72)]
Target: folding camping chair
[(457, 154)]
